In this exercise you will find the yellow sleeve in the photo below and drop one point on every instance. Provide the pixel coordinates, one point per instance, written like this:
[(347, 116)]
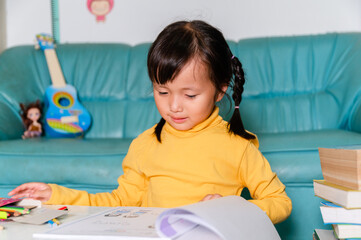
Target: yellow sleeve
[(129, 192), (266, 190)]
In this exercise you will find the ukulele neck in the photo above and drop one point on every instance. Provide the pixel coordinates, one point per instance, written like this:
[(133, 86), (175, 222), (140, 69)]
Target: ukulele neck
[(56, 74)]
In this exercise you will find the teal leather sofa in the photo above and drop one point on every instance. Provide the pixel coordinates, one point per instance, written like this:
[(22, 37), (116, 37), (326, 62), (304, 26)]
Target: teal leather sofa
[(302, 92)]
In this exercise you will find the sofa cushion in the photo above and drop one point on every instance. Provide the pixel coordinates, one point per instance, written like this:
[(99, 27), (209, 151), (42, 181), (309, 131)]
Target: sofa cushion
[(96, 162)]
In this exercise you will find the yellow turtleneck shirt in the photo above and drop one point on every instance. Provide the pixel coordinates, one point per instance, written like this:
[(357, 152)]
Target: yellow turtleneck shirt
[(185, 167)]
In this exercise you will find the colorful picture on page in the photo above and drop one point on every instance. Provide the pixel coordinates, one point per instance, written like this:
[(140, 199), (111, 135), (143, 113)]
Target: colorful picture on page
[(6, 201)]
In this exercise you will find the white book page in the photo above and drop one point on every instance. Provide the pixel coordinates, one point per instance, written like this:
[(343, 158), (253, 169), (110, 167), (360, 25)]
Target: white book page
[(117, 223), (228, 218)]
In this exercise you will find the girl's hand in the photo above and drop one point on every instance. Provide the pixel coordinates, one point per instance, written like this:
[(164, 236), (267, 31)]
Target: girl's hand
[(33, 190), (211, 196)]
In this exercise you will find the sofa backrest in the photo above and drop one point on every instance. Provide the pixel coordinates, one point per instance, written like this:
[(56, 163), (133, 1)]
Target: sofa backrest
[(111, 81), (113, 85), (292, 83), (300, 83)]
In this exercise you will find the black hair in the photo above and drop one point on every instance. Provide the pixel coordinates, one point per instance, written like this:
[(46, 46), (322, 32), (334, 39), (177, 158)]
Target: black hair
[(181, 42)]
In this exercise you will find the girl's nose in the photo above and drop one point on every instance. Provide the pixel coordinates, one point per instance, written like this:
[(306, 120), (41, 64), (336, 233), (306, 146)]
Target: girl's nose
[(175, 104)]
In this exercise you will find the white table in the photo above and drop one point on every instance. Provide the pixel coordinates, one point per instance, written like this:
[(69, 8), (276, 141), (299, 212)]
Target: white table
[(21, 231)]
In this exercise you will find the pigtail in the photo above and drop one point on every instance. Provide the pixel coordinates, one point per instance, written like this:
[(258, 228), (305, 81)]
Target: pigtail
[(235, 124), (158, 129)]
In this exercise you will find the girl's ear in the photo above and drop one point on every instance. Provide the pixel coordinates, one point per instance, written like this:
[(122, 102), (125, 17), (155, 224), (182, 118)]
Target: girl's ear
[(221, 94)]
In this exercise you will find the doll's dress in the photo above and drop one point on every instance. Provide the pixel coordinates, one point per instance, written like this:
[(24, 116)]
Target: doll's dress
[(33, 131)]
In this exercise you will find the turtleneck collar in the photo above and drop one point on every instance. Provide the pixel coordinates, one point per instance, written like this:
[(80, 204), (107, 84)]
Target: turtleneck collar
[(212, 120)]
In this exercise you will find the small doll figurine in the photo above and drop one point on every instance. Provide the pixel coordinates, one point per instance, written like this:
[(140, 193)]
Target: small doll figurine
[(31, 115), (100, 8)]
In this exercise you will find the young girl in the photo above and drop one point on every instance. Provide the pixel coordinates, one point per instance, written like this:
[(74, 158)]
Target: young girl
[(192, 154)]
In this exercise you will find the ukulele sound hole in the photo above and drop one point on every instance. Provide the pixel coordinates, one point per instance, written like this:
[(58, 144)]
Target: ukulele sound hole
[(64, 102)]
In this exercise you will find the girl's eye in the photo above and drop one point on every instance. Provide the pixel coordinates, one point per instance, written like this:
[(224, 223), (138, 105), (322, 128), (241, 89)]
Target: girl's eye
[(162, 93), (191, 96)]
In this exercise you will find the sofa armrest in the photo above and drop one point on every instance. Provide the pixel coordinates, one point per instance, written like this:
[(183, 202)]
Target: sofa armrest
[(354, 123), (11, 126), (21, 81)]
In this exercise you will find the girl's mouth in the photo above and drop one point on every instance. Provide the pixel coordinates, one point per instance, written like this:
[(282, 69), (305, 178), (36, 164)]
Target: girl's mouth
[(178, 120)]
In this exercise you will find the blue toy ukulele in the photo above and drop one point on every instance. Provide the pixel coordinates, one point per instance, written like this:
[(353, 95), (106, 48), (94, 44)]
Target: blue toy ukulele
[(65, 116)]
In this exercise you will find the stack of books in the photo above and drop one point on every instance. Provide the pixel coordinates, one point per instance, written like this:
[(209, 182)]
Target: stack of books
[(341, 187)]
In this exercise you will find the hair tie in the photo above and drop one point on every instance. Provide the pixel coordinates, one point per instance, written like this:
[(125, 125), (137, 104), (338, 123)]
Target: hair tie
[(233, 57), (236, 107)]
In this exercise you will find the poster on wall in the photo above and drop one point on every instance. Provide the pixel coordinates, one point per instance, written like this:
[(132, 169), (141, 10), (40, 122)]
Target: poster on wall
[(100, 8)]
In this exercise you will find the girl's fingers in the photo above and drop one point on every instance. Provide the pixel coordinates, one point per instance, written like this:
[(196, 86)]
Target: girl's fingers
[(207, 197), (37, 195), (211, 196), (26, 188), (217, 196), (21, 195), (19, 189)]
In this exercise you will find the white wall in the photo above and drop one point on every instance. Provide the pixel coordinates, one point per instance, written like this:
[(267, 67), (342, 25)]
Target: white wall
[(2, 25), (135, 21)]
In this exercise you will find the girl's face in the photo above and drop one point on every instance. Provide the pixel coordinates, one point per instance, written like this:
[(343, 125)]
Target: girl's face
[(33, 114), (189, 99)]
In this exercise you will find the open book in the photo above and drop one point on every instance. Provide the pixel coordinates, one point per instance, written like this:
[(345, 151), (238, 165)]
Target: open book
[(225, 218)]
